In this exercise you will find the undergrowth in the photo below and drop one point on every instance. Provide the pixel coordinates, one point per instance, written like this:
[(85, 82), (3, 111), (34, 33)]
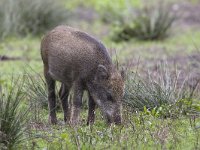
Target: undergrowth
[(143, 128), (161, 93), (13, 115)]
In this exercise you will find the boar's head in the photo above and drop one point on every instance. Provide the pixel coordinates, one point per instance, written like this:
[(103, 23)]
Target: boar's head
[(107, 90)]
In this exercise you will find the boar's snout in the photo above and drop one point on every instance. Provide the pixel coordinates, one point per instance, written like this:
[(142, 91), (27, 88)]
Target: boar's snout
[(113, 116), (118, 120)]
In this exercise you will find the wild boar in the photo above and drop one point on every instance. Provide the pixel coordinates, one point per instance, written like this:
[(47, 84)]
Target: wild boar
[(80, 62)]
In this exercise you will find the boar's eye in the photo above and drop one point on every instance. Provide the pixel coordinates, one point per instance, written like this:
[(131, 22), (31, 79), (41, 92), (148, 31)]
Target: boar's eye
[(109, 97)]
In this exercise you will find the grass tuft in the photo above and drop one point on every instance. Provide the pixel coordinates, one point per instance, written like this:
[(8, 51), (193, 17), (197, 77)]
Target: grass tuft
[(151, 23), (13, 115)]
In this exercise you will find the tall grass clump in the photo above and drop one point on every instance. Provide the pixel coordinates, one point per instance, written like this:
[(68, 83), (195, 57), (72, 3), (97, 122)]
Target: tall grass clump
[(13, 115), (159, 90), (36, 93), (150, 23), (22, 17), (36, 90)]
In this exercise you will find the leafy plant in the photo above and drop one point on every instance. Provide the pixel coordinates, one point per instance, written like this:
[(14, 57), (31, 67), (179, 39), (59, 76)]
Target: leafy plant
[(13, 116)]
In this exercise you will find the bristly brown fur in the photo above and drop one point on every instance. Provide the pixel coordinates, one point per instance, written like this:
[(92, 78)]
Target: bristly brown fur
[(80, 62)]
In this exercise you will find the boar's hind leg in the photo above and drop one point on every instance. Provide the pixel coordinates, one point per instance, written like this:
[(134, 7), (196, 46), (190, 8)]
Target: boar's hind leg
[(51, 97), (63, 94), (91, 111), (77, 102)]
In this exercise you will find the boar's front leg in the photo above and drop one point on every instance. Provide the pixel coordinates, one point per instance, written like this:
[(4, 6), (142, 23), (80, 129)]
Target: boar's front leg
[(91, 111), (77, 102)]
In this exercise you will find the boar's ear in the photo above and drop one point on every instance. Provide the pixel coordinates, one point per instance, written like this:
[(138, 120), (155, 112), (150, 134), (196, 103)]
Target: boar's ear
[(123, 74), (102, 73)]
